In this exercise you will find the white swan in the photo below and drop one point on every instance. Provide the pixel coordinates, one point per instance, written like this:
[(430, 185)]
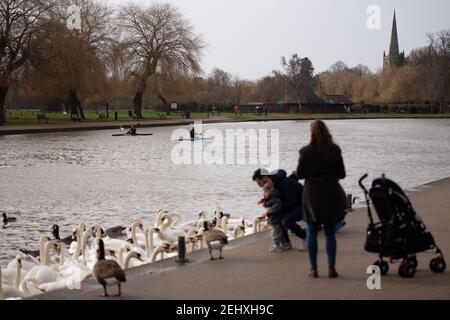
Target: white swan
[(228, 224), (259, 224), (159, 217), (12, 275), (132, 255), (170, 235), (188, 225), (39, 274), (8, 292)]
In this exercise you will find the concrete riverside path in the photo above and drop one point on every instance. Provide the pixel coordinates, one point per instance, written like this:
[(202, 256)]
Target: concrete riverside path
[(250, 272)]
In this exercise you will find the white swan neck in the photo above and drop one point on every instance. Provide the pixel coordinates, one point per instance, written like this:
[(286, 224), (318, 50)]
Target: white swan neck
[(18, 274), (128, 260)]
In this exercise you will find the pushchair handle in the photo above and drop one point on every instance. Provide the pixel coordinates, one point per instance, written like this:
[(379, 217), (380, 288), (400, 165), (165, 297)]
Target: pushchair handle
[(364, 177), (366, 195)]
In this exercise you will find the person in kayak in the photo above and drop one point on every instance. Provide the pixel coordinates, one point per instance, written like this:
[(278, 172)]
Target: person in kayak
[(132, 131)]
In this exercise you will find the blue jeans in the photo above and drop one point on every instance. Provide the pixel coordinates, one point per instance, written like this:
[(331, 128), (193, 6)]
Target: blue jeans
[(330, 234), (290, 222)]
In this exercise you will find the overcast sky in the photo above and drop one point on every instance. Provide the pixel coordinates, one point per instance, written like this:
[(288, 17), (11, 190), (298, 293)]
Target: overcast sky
[(248, 37)]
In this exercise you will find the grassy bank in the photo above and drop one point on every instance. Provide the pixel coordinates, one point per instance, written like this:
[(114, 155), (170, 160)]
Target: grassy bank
[(29, 117)]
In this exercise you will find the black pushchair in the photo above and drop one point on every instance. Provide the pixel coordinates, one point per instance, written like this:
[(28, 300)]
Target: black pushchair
[(400, 233)]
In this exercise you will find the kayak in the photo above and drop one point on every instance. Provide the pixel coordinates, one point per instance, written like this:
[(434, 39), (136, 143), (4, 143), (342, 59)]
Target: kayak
[(131, 135), (195, 139)]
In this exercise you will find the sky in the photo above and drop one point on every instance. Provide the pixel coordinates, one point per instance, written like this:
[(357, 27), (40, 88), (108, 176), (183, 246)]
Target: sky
[(247, 38)]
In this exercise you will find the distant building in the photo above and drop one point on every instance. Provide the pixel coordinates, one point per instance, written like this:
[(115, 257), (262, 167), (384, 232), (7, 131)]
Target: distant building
[(394, 58), (339, 99), (311, 103)]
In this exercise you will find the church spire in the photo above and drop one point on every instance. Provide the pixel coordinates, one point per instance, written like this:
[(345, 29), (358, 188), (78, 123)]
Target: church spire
[(394, 50), (395, 58)]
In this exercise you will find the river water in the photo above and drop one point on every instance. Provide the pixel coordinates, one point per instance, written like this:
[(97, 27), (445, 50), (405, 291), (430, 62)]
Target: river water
[(67, 178)]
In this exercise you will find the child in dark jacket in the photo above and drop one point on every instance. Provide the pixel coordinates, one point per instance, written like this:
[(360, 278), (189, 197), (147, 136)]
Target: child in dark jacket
[(272, 203)]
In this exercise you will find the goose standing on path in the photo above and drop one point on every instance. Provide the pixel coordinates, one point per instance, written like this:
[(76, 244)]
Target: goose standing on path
[(214, 239), (7, 219), (108, 270)]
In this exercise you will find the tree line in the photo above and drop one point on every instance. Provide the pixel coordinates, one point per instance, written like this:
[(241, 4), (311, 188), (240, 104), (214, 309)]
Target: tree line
[(151, 53)]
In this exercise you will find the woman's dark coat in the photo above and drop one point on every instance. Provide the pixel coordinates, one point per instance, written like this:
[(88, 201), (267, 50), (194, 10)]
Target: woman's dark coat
[(324, 200)]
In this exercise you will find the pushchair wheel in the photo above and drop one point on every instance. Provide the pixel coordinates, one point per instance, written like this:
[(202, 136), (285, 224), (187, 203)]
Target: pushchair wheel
[(413, 261), (383, 265), (407, 269), (438, 265)]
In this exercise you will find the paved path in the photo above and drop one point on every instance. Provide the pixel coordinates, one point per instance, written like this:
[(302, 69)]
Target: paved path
[(250, 272)]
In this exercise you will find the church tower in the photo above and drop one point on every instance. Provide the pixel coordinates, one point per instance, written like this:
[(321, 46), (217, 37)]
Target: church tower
[(395, 58)]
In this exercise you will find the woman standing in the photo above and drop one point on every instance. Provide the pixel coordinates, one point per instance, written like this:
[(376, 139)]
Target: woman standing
[(322, 166)]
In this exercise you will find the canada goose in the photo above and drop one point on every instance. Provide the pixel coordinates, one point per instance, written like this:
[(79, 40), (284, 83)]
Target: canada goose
[(114, 232), (37, 253), (7, 219), (214, 239), (67, 240), (105, 270)]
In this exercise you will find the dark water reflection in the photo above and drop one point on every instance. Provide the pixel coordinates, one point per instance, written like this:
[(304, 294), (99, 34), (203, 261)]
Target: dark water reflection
[(67, 178)]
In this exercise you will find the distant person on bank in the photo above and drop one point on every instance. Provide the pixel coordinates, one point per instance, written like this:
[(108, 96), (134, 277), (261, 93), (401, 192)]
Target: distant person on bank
[(322, 166)]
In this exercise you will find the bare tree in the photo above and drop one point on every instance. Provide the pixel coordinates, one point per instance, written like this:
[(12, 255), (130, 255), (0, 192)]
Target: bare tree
[(338, 66), (432, 64), (298, 74), (361, 70), (20, 22), (87, 48), (161, 42), (220, 86)]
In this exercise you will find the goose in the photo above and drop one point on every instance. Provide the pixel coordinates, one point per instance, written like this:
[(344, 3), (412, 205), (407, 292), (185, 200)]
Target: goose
[(214, 239), (8, 292), (114, 233), (7, 219), (67, 240), (108, 270)]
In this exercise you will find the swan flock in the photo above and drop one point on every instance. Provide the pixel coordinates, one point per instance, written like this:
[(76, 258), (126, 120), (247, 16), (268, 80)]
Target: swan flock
[(66, 263)]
